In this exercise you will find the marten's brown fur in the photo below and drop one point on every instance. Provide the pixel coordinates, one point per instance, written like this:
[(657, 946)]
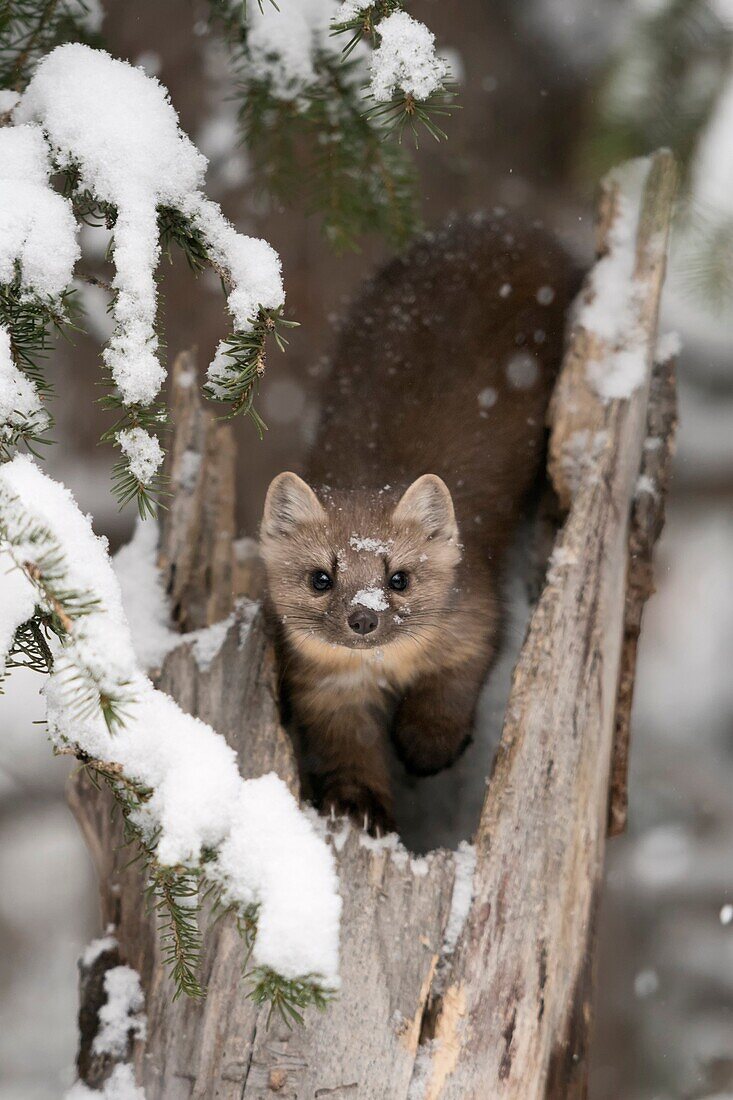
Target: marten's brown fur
[(432, 434)]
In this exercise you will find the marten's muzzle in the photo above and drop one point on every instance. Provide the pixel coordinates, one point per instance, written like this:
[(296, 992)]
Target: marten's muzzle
[(363, 622)]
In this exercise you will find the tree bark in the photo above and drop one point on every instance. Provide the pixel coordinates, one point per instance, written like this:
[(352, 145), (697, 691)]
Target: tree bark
[(507, 1013)]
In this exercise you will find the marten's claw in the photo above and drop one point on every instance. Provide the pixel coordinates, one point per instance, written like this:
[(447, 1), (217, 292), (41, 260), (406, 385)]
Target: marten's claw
[(363, 806)]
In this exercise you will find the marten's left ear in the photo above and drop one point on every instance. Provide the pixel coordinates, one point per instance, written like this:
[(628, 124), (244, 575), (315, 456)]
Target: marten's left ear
[(289, 503), (429, 503)]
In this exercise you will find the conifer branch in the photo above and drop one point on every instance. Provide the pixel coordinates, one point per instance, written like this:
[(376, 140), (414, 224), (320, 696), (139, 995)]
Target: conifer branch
[(60, 610), (323, 143), (29, 29)]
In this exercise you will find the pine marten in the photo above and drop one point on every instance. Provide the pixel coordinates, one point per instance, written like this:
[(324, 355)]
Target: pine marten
[(384, 580)]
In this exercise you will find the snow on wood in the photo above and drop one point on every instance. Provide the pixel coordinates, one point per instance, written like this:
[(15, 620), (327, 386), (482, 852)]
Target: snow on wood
[(611, 305), (121, 1017), (462, 896), (119, 1086), (97, 947)]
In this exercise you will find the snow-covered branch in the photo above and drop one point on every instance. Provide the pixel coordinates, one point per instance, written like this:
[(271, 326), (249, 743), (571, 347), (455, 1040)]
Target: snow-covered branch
[(344, 74), (115, 135), (177, 781)]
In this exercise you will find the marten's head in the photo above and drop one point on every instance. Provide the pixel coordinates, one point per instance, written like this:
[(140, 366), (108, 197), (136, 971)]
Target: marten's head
[(360, 570)]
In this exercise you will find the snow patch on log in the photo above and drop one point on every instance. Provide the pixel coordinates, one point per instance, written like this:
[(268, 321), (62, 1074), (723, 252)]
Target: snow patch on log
[(611, 309), (119, 1086), (465, 864), (121, 1017)]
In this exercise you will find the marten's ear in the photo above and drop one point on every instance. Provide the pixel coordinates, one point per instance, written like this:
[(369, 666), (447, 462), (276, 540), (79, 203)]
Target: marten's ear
[(289, 502), (429, 503)]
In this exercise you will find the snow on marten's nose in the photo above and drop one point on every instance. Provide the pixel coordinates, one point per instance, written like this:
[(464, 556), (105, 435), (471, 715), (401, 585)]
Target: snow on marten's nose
[(363, 622)]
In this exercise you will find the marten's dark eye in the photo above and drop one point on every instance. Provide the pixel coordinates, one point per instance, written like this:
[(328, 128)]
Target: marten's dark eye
[(399, 581), (321, 581)]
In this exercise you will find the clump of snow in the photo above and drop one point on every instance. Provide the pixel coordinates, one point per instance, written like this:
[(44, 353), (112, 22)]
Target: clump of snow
[(20, 406), (726, 915), (199, 800), (545, 295), (669, 346), (143, 596), (118, 127), (147, 610), (253, 264), (369, 545), (611, 306), (372, 597), (274, 856), (120, 1085), (96, 948), (465, 863), (121, 1017), (37, 226), (405, 59), (282, 44), (560, 558), (349, 9), (99, 641), (208, 642), (645, 484), (143, 451)]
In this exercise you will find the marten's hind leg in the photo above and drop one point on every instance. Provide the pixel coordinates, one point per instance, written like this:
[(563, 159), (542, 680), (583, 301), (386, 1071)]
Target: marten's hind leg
[(434, 721)]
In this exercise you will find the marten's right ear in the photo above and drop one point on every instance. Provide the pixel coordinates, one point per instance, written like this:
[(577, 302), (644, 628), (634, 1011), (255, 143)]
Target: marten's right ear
[(428, 502), (289, 502)]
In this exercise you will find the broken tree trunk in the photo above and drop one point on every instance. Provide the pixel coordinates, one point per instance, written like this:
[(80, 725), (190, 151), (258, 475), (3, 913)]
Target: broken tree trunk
[(505, 1011)]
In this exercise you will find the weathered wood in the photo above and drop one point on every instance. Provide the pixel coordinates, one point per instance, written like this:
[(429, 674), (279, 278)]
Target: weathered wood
[(647, 521), (196, 545), (517, 1004), (508, 1012)]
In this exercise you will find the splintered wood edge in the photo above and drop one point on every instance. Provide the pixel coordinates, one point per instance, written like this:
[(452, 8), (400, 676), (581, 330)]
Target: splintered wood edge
[(196, 550), (647, 521), (523, 1042), (575, 406)]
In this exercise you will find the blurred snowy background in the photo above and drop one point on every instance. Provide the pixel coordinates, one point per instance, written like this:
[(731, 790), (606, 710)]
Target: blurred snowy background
[(553, 92)]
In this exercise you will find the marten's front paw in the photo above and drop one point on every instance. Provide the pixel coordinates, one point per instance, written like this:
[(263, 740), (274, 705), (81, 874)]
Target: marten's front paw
[(364, 806), (426, 754)]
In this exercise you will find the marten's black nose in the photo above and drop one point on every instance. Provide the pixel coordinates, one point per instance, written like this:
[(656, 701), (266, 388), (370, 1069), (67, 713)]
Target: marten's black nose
[(363, 622)]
